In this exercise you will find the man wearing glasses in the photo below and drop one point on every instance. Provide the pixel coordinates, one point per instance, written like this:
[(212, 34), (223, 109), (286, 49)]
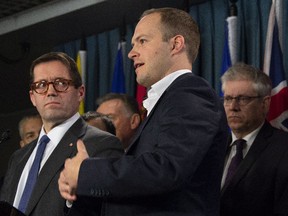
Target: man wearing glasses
[(56, 91), (256, 167)]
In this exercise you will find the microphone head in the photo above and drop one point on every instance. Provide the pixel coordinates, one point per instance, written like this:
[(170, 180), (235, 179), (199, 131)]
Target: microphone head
[(5, 135)]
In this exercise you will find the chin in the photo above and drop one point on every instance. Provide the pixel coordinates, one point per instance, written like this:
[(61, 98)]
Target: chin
[(140, 82), (235, 126)]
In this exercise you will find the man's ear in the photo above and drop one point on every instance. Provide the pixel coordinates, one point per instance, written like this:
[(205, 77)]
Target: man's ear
[(135, 121), (266, 103), (177, 43), (21, 143), (31, 93), (81, 92)]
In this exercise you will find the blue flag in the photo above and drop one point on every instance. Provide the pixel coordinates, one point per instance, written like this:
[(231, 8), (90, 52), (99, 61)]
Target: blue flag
[(226, 58), (118, 82)]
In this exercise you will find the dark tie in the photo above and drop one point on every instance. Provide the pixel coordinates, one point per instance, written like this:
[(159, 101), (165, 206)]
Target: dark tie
[(33, 174), (236, 160)]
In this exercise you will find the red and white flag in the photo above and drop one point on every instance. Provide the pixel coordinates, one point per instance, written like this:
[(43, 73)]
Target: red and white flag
[(273, 66)]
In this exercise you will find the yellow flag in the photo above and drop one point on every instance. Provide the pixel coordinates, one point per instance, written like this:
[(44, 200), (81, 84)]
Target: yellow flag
[(81, 64)]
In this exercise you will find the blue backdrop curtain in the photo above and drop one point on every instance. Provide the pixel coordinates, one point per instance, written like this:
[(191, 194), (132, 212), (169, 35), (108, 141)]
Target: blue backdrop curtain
[(210, 16)]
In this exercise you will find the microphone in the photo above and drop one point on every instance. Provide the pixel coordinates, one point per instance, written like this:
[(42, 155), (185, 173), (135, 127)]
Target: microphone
[(5, 136)]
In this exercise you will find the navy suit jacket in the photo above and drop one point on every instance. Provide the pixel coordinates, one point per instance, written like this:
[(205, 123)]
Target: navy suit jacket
[(259, 182), (281, 208), (46, 199), (174, 164)]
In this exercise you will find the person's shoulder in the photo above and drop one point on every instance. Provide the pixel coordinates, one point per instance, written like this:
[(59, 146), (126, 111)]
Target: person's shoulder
[(276, 132), (281, 134), (95, 135), (27, 147), (18, 153), (195, 86), (94, 131), (101, 143), (277, 137), (192, 81)]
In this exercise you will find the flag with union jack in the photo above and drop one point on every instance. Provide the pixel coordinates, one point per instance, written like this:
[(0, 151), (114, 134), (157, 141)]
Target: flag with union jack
[(273, 66)]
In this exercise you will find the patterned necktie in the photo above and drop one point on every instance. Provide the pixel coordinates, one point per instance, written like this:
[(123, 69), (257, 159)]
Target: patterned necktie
[(236, 160), (33, 174)]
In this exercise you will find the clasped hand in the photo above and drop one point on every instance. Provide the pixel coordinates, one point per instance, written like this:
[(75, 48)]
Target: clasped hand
[(68, 179)]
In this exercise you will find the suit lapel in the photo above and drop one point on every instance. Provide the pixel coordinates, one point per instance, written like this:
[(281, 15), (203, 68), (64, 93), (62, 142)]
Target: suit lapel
[(137, 135), (66, 148), (259, 145), (19, 167), (143, 124)]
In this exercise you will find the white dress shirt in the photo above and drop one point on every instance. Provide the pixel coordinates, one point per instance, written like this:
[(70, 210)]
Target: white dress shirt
[(55, 135), (157, 89)]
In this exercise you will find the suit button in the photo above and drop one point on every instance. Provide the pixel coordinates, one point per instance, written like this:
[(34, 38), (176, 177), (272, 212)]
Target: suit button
[(92, 192), (99, 193)]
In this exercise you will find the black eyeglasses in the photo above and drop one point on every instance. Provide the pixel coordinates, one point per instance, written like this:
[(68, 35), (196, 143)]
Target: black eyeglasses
[(60, 85), (240, 100)]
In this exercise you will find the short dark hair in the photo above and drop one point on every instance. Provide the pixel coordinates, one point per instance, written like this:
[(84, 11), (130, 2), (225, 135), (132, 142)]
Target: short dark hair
[(129, 102), (65, 60), (105, 119), (24, 119)]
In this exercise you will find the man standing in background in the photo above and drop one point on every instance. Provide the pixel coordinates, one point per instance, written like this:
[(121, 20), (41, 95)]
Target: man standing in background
[(255, 174), (29, 128), (123, 110)]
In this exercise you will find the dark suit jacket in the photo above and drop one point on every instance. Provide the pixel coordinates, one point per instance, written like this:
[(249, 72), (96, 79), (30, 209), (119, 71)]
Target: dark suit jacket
[(281, 208), (261, 178), (174, 164), (46, 199)]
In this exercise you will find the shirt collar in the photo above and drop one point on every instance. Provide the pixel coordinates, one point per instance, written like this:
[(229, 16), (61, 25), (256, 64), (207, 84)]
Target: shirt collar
[(157, 89), (57, 133), (160, 86), (249, 138)]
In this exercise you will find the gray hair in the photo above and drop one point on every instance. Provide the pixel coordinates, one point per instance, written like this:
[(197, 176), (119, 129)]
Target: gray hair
[(241, 71)]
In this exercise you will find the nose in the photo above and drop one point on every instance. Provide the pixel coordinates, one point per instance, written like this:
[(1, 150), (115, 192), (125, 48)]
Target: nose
[(234, 105), (132, 54), (50, 89)]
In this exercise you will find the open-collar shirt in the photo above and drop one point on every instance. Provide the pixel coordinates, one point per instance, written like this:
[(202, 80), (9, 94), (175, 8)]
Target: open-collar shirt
[(157, 89)]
